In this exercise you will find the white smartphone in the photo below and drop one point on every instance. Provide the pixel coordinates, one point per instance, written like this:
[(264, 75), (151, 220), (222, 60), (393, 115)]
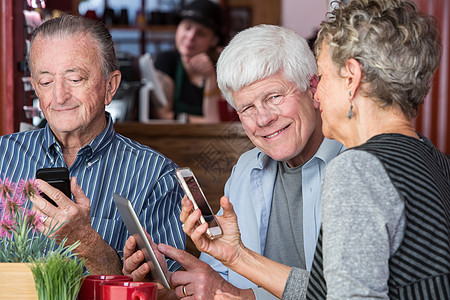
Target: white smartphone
[(193, 191), (135, 229)]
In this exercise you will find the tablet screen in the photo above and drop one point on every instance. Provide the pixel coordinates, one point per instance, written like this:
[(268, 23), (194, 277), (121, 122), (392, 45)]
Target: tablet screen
[(135, 229)]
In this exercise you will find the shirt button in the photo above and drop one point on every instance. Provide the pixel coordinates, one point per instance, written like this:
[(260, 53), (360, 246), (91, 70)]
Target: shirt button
[(89, 164)]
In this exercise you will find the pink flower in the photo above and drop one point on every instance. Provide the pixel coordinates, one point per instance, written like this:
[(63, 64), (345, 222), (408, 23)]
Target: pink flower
[(12, 205), (28, 188), (13, 197), (7, 226), (7, 188), (34, 220)]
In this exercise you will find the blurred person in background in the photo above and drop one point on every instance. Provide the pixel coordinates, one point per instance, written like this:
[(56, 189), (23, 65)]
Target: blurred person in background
[(188, 74)]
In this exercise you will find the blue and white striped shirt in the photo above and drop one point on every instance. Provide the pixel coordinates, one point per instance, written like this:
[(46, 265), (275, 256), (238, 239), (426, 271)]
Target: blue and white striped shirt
[(111, 163)]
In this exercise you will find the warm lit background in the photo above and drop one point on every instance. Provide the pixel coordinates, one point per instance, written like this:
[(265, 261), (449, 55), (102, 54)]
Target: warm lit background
[(303, 16)]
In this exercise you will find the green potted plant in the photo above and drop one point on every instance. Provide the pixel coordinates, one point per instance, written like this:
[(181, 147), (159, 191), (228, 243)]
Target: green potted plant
[(56, 270)]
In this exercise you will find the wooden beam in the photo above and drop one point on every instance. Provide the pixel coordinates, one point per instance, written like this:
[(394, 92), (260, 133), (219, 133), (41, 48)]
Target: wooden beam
[(6, 68)]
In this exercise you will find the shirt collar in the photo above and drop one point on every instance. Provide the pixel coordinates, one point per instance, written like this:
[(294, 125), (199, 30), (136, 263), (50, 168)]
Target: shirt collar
[(105, 137), (49, 138), (262, 159), (95, 146), (328, 150)]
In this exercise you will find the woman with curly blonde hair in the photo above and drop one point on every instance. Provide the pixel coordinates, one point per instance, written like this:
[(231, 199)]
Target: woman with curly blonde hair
[(386, 200)]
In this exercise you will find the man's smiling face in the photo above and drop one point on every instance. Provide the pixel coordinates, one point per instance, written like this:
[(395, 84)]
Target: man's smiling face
[(278, 118)]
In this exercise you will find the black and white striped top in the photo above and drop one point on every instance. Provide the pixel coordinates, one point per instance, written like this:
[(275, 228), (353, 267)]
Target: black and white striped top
[(420, 269)]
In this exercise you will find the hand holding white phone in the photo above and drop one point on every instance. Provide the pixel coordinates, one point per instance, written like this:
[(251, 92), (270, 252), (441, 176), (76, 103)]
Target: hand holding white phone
[(193, 191)]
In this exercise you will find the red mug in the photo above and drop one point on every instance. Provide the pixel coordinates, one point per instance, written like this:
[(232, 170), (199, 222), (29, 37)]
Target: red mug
[(90, 289), (128, 290)]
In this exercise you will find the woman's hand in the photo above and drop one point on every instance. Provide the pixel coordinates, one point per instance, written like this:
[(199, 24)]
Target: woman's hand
[(226, 248), (229, 249)]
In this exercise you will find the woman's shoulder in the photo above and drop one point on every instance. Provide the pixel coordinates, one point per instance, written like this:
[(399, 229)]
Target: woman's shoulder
[(353, 157), (355, 167)]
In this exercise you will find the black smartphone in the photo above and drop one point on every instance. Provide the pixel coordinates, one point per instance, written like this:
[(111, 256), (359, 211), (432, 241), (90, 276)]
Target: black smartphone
[(193, 191), (58, 178)]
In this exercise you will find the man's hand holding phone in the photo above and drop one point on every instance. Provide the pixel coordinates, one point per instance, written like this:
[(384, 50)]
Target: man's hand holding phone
[(73, 216), (74, 222), (196, 279), (134, 265)]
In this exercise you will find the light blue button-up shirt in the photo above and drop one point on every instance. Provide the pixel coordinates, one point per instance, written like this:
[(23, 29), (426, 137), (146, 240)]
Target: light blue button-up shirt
[(250, 189)]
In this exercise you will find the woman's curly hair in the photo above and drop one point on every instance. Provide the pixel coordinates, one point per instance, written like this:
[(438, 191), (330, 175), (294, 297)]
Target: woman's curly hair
[(397, 47)]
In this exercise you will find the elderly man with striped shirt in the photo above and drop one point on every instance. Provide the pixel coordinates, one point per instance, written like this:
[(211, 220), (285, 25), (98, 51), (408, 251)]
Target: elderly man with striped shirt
[(74, 72)]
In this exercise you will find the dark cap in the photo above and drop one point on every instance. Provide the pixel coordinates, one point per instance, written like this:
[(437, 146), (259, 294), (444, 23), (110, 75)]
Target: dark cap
[(206, 13)]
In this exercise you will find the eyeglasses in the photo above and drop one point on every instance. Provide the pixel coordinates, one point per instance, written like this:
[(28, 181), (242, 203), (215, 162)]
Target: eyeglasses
[(272, 104)]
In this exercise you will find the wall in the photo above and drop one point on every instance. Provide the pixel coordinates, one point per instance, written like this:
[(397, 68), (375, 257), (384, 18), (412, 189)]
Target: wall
[(433, 121), (303, 16)]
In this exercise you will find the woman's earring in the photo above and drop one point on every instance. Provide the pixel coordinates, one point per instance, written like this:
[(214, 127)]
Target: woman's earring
[(350, 111)]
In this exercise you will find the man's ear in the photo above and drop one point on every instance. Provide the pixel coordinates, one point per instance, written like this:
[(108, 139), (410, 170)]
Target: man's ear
[(112, 85), (32, 83), (313, 82), (36, 91), (353, 75)]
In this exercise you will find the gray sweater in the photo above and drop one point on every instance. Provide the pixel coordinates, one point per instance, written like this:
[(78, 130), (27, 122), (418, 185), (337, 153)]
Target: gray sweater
[(363, 225)]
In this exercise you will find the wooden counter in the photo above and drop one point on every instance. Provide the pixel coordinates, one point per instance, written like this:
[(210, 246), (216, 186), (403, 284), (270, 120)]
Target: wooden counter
[(210, 150)]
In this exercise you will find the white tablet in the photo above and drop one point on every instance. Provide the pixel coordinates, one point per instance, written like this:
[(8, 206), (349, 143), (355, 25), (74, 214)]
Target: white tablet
[(135, 229)]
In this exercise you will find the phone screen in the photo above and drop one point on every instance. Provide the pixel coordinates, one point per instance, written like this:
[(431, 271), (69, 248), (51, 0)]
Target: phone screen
[(201, 201)]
